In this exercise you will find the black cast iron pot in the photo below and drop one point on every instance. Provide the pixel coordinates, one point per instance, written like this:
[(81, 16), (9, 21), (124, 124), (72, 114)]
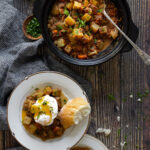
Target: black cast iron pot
[(42, 9)]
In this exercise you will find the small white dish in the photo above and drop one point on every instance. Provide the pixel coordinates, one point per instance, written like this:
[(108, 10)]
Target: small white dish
[(69, 87), (91, 142)]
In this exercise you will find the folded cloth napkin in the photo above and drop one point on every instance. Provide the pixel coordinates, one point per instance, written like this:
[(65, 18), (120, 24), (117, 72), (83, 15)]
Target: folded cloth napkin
[(19, 58)]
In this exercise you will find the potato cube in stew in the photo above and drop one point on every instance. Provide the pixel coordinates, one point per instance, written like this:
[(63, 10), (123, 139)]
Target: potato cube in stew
[(69, 5), (114, 33), (77, 5), (92, 53), (47, 90), (86, 2), (56, 92), (27, 120), (86, 17), (60, 42), (32, 128), (71, 38), (94, 27), (68, 48), (103, 30), (37, 94), (70, 21), (87, 38), (94, 2), (77, 33), (100, 44)]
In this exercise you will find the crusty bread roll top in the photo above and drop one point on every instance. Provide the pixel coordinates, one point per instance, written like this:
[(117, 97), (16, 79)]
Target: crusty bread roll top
[(74, 111)]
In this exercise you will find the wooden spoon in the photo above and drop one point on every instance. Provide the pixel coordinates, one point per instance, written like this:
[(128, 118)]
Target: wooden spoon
[(24, 28)]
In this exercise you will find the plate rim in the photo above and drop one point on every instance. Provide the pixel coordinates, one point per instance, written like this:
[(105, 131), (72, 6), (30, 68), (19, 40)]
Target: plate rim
[(41, 72), (93, 138)]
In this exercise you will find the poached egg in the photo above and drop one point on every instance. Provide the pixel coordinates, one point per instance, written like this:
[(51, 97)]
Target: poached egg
[(45, 110)]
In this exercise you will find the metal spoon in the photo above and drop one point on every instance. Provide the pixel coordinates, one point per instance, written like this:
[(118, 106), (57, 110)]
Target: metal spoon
[(142, 54)]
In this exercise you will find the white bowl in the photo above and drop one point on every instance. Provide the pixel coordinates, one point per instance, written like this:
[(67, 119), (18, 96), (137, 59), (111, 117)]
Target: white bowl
[(91, 142), (69, 87)]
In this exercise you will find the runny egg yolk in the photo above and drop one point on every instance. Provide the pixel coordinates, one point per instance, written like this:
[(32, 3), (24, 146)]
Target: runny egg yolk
[(42, 107)]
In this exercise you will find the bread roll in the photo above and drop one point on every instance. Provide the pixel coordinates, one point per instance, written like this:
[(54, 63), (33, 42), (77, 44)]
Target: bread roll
[(74, 111)]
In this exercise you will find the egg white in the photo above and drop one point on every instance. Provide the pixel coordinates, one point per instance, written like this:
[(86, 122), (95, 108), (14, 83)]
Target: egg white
[(43, 116)]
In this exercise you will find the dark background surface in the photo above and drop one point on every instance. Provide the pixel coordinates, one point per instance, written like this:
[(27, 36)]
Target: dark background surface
[(123, 75)]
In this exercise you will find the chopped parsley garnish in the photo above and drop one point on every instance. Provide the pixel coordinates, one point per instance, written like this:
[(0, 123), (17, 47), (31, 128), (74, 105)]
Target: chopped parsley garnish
[(51, 109), (57, 34), (36, 89), (81, 23), (103, 29), (76, 14), (111, 97), (66, 12), (88, 33), (63, 31), (100, 10), (95, 41), (59, 27), (65, 101), (76, 31), (55, 93), (33, 28), (44, 103), (41, 112), (70, 28)]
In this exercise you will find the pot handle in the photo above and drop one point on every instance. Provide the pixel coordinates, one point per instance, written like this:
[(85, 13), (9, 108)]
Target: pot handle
[(38, 9)]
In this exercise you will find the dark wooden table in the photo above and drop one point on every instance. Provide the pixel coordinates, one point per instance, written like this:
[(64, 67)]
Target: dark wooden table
[(123, 75)]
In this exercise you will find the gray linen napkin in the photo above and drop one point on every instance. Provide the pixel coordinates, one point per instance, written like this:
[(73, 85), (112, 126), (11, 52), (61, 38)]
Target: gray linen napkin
[(19, 58)]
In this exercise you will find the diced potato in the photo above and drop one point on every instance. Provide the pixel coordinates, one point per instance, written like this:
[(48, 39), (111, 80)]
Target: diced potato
[(88, 10), (69, 5), (86, 2), (34, 108), (68, 49), (37, 94), (103, 30), (32, 128), (77, 5), (47, 90), (92, 53), (86, 17), (87, 38), (94, 27), (94, 2), (77, 33), (55, 10), (56, 92), (60, 42), (114, 33), (70, 21), (71, 38), (100, 44), (27, 120)]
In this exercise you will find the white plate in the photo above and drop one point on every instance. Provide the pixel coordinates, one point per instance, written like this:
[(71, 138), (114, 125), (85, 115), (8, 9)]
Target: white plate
[(91, 142), (70, 88)]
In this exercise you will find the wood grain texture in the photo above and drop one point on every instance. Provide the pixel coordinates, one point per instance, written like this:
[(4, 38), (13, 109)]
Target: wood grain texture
[(123, 75), (1, 140)]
